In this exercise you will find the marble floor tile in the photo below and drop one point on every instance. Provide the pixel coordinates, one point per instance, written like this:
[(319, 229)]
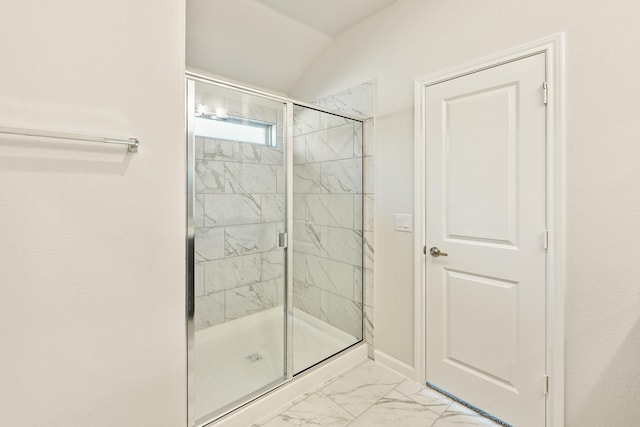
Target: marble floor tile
[(458, 415), (397, 410), (316, 410), (357, 390), (371, 395), (433, 400)]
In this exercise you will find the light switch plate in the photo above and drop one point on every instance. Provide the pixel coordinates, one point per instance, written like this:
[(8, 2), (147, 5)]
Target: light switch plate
[(404, 222)]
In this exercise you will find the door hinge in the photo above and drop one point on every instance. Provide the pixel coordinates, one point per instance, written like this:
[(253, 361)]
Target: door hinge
[(545, 92), (546, 239), (283, 240), (546, 385)]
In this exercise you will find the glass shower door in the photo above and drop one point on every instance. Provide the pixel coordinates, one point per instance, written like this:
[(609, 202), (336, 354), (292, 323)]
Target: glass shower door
[(327, 235), (261, 167), (238, 212)]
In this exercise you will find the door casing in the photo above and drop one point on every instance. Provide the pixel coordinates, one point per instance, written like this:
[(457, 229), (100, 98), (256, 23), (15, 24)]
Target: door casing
[(553, 48)]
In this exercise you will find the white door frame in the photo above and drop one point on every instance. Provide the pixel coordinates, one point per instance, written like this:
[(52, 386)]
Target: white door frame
[(553, 47)]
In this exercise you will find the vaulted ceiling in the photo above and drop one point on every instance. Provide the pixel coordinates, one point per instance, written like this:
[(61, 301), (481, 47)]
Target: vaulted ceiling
[(330, 17), (267, 43)]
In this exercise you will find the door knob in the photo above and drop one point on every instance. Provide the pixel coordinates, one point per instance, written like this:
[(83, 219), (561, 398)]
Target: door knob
[(435, 252)]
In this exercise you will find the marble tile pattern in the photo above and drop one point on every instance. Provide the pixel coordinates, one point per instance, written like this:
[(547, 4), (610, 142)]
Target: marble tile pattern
[(327, 214), (367, 223), (333, 211), (239, 211), (371, 395), (356, 101), (240, 208)]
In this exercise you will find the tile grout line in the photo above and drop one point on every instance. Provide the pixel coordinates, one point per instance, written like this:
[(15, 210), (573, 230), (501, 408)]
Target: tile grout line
[(371, 406), (318, 390), (443, 412), (335, 379), (399, 392), (428, 409)]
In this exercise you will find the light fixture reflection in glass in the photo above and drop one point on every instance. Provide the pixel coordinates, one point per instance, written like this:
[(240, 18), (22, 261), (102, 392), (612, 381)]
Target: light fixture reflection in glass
[(222, 113)]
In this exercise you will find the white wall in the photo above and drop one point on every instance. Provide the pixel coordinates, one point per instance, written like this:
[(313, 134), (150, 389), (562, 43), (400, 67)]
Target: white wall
[(92, 246), (415, 37), (248, 42)]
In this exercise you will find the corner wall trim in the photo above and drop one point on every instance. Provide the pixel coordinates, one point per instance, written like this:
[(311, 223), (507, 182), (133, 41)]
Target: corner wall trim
[(394, 364), (553, 47)]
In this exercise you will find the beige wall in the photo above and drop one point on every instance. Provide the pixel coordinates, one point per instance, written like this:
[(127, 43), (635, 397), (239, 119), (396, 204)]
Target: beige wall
[(92, 246), (413, 38)]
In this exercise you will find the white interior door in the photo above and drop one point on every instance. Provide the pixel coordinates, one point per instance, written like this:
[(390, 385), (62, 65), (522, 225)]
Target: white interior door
[(485, 205)]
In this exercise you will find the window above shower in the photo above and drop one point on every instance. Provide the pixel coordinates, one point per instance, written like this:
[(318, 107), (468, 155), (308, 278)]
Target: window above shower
[(231, 116), (220, 125)]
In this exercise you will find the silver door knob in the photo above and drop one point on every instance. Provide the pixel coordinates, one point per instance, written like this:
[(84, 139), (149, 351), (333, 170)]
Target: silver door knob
[(435, 252)]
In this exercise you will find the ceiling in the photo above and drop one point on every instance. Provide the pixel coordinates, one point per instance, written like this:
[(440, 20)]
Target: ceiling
[(330, 17), (267, 43)]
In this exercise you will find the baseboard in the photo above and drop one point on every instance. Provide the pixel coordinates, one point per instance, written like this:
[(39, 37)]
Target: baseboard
[(308, 382), (394, 364)]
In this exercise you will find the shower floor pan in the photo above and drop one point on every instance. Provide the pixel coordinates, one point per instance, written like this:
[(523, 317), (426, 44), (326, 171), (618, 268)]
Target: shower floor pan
[(239, 357)]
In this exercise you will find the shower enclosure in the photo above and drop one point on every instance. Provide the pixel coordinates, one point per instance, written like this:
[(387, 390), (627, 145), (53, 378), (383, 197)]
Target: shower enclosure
[(274, 284)]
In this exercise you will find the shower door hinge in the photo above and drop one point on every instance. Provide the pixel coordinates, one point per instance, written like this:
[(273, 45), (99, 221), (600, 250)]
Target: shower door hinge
[(283, 240), (545, 92), (546, 385)]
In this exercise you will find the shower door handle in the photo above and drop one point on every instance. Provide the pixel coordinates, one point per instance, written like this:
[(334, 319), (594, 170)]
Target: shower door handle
[(283, 240)]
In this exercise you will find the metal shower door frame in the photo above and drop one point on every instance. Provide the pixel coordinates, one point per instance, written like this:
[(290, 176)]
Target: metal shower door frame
[(288, 105)]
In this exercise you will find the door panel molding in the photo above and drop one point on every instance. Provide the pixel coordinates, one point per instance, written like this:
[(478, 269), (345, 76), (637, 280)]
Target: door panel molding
[(553, 48)]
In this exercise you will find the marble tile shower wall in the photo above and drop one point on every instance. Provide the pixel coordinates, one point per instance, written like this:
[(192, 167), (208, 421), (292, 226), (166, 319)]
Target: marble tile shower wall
[(239, 211), (328, 218), (359, 101), (327, 214)]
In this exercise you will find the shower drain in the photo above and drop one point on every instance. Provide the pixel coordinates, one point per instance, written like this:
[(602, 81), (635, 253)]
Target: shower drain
[(254, 357)]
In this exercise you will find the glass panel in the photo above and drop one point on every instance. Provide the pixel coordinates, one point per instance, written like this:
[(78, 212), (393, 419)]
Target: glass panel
[(239, 211), (327, 235)]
